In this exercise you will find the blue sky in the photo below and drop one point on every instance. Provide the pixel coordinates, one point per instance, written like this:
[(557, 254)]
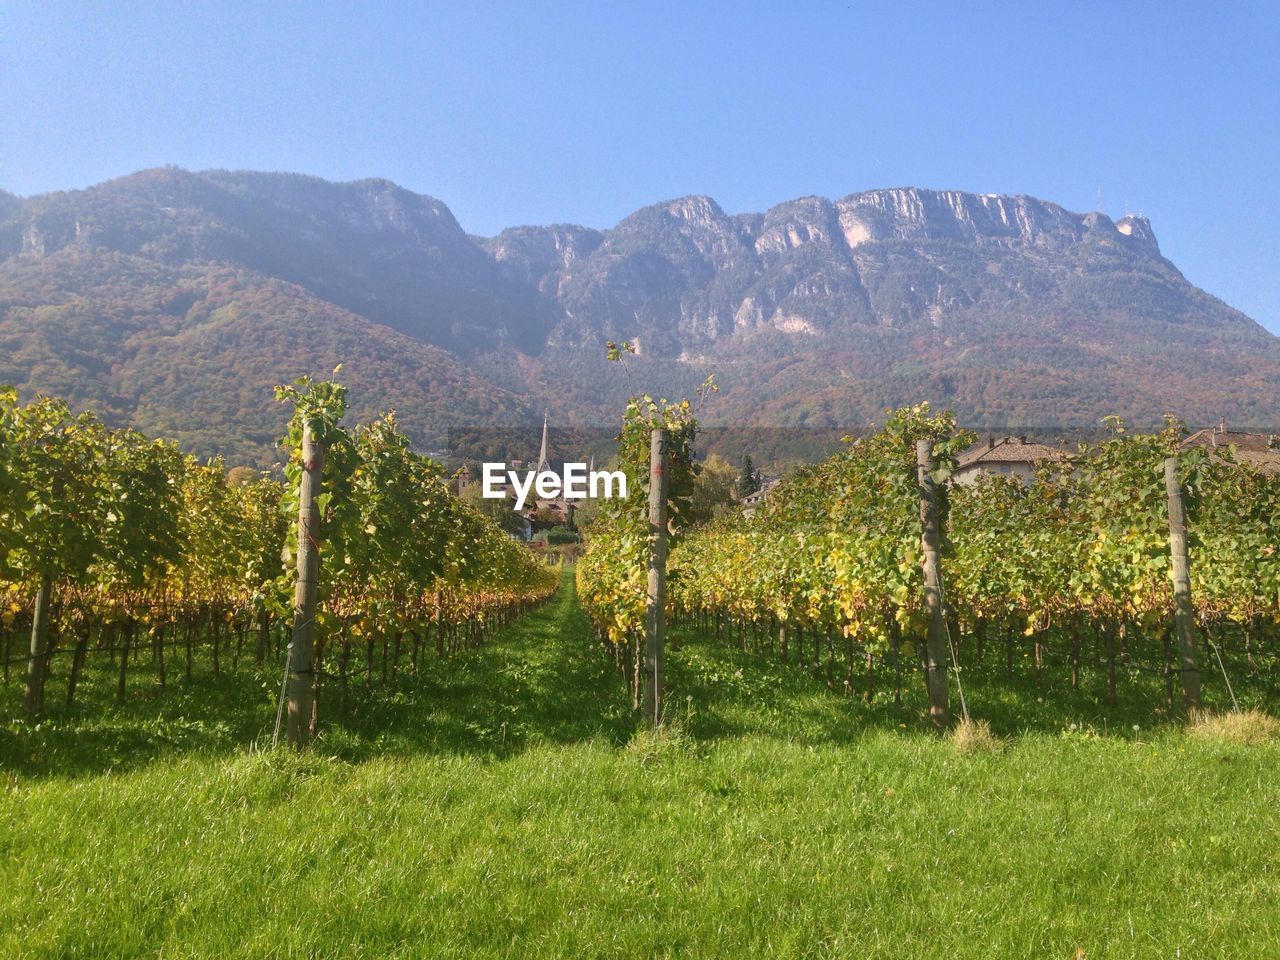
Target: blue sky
[(535, 113)]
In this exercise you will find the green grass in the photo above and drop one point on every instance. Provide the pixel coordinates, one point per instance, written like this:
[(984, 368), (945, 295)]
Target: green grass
[(505, 806), (544, 682)]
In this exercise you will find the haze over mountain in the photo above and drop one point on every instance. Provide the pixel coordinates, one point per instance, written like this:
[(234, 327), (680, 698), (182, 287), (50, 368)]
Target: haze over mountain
[(176, 300)]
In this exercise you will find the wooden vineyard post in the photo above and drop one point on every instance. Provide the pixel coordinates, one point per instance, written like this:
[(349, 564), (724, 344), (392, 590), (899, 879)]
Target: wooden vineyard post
[(1183, 615), (33, 695), (655, 614), (300, 657), (935, 666)]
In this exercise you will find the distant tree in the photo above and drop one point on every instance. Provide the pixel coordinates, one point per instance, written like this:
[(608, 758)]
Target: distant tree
[(239, 476), (546, 517), (713, 492), (584, 514), (499, 510), (560, 535), (748, 477)]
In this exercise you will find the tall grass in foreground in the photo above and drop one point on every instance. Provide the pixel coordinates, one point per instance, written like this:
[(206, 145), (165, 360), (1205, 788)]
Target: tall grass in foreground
[(892, 846), (506, 807)]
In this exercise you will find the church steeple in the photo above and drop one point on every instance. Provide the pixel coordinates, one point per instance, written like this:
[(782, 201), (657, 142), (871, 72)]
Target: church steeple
[(543, 462)]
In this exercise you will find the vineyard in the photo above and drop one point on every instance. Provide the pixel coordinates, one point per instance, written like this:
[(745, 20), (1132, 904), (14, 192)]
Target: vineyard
[(485, 777), (869, 569), (1070, 574), (120, 547)]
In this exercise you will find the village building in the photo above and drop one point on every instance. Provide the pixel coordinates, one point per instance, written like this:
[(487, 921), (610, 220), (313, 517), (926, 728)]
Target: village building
[(753, 500), (1258, 450), (555, 512), (1005, 457), (560, 509)]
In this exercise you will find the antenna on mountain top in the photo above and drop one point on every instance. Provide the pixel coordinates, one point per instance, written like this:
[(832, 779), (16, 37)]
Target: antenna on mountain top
[(1099, 207)]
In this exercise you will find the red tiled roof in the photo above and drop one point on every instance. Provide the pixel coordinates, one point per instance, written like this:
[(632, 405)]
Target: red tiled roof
[(1258, 450), (1009, 450)]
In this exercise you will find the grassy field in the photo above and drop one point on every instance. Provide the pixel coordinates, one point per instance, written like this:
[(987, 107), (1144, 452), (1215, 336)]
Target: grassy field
[(504, 805)]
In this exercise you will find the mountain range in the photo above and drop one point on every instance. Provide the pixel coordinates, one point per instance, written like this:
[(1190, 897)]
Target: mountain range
[(175, 300)]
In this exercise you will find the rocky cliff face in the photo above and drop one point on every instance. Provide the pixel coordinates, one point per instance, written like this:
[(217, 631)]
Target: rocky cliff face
[(911, 214), (542, 256), (682, 276), (679, 277)]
